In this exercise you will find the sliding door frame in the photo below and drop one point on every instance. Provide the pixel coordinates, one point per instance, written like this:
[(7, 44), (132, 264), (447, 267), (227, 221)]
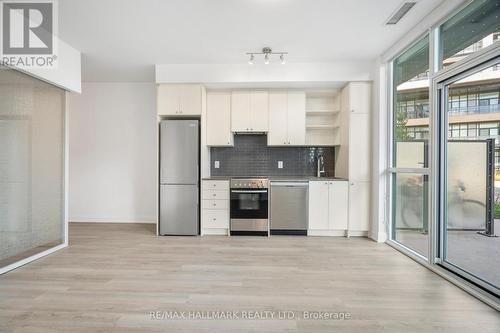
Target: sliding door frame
[(393, 170), (473, 64), (433, 259), (65, 184)]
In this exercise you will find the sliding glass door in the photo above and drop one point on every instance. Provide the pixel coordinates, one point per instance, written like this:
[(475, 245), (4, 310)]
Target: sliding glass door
[(469, 128), (31, 167), (444, 155), (410, 137)]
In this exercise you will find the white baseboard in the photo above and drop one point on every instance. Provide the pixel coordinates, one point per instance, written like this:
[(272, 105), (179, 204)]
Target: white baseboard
[(76, 219), (218, 231), (334, 233), (337, 233)]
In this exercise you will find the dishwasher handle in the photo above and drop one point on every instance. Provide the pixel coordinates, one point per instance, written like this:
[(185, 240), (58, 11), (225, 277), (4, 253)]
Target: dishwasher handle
[(290, 184)]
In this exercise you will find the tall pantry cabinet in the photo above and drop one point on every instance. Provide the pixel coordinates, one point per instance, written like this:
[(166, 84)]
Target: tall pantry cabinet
[(353, 156)]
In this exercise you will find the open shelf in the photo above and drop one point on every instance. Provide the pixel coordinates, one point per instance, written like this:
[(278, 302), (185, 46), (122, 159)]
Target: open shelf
[(322, 118), (321, 112), (321, 127)]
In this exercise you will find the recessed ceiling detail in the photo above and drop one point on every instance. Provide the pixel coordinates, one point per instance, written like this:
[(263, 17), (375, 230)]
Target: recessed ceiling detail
[(267, 52)]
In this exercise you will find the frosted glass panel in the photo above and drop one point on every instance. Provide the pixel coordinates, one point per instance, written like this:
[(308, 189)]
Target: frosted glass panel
[(31, 166), (410, 211), (472, 177)]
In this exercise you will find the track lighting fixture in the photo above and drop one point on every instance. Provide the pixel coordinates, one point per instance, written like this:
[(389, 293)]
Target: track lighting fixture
[(267, 52)]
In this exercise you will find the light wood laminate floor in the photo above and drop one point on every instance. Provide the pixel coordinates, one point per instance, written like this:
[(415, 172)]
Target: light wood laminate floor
[(113, 275)]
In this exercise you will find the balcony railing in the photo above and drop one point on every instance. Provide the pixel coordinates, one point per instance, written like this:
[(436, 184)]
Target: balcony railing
[(475, 109)]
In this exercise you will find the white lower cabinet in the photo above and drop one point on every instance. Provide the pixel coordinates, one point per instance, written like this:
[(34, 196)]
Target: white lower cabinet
[(338, 210), (328, 208), (214, 207), (318, 205), (215, 219), (359, 208)]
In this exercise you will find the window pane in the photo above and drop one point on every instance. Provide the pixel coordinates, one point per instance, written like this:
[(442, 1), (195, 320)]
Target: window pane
[(473, 28), (411, 106), (410, 222), (469, 180), (31, 166)]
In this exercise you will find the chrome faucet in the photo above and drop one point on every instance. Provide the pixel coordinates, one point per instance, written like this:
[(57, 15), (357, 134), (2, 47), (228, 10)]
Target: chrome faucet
[(320, 167)]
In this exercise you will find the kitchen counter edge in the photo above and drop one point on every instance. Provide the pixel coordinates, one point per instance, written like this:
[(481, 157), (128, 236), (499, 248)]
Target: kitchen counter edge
[(283, 178)]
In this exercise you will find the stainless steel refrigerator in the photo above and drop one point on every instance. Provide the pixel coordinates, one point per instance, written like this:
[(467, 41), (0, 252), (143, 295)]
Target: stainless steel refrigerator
[(179, 177)]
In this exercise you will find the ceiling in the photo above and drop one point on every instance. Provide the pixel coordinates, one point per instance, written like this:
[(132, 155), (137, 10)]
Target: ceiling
[(122, 40)]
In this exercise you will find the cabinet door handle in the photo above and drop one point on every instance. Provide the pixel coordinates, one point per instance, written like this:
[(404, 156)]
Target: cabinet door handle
[(214, 219), (215, 205)]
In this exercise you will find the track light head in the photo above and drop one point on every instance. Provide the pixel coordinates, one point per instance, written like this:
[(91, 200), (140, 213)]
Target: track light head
[(267, 52), (266, 59)]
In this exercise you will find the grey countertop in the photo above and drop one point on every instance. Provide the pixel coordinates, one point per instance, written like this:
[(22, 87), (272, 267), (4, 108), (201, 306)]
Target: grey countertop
[(283, 178), (303, 178)]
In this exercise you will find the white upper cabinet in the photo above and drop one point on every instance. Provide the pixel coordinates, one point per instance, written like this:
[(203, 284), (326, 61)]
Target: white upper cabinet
[(296, 118), (240, 111), (219, 119), (278, 118), (250, 111), (168, 99), (179, 99), (259, 111), (359, 97), (286, 118)]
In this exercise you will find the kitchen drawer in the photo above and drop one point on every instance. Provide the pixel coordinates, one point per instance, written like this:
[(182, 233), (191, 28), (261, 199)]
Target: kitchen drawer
[(215, 195), (215, 218), (216, 185), (215, 204)]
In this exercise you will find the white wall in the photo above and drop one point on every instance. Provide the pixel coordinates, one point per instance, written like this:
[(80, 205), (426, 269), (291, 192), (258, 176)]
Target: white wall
[(68, 73), (342, 71), (112, 153)]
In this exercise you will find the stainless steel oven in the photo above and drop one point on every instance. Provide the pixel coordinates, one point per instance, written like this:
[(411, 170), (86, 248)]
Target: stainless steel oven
[(249, 209)]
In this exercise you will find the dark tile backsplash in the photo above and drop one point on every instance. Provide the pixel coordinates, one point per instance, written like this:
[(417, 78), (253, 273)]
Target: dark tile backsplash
[(251, 156)]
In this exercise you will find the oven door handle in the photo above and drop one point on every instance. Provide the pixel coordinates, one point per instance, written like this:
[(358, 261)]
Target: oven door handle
[(251, 191)]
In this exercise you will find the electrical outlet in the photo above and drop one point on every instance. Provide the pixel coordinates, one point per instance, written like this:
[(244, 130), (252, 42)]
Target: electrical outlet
[(216, 164), (280, 164)]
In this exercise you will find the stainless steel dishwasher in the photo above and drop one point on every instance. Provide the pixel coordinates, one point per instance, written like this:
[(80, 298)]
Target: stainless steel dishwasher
[(289, 207)]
